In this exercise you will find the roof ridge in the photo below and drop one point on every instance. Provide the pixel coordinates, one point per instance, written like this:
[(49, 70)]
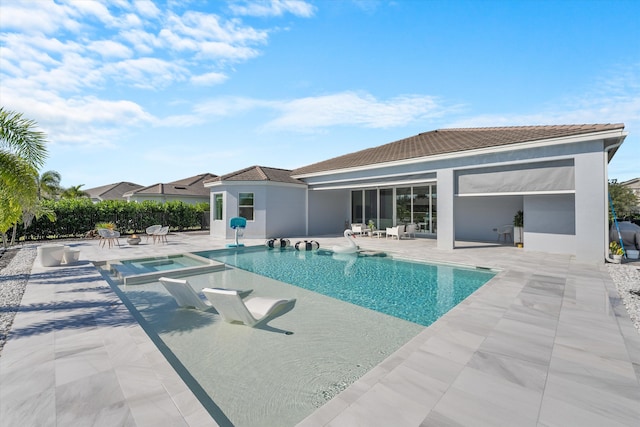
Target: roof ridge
[(493, 128), (262, 173)]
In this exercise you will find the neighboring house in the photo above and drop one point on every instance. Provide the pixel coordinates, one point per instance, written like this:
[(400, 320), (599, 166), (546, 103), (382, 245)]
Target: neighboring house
[(272, 202), (634, 185), (112, 191), (189, 190), (456, 184)]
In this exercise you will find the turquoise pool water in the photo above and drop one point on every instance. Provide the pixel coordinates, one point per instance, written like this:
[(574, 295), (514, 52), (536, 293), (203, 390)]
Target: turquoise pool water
[(413, 291), (351, 313)]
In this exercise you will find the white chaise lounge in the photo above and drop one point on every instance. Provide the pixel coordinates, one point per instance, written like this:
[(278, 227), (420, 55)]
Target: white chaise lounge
[(184, 294), (233, 309)]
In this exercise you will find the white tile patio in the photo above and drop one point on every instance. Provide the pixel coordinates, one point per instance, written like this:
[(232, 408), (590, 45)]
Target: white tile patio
[(545, 343)]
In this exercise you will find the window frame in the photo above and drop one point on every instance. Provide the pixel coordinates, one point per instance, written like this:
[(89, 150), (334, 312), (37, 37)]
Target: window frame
[(243, 209)]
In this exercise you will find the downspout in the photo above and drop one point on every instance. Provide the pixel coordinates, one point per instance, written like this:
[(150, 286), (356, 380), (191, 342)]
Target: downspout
[(606, 199)]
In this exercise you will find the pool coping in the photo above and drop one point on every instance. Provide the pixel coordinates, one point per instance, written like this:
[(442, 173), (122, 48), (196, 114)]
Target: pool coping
[(208, 265), (66, 360)]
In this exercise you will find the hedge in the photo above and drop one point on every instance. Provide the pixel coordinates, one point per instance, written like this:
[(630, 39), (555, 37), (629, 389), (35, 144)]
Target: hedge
[(75, 217)]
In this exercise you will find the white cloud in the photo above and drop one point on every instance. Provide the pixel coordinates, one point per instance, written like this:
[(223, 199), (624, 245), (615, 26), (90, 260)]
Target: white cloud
[(110, 49), (209, 79), (142, 42), (36, 17), (614, 99), (315, 113), (80, 120), (273, 8), (209, 27), (355, 109), (147, 8), (92, 9), (218, 50), (146, 73)]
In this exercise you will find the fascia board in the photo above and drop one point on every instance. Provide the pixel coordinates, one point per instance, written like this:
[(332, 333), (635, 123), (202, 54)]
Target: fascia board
[(254, 183)]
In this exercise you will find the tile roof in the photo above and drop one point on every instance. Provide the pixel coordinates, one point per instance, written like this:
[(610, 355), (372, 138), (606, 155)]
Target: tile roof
[(444, 141), (192, 186), (112, 191), (258, 173)]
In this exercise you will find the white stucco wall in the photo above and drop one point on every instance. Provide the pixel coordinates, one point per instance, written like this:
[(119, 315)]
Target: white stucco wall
[(285, 211), (328, 211), (549, 223), (446, 208), (279, 210), (591, 206), (476, 217)]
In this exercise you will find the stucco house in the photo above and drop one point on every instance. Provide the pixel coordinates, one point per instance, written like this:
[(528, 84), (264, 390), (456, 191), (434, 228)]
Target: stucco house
[(273, 202), (456, 184), (114, 191), (188, 190)]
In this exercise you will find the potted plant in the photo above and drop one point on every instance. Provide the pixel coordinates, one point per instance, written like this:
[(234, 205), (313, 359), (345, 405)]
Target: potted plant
[(518, 224), (616, 252), (371, 226)]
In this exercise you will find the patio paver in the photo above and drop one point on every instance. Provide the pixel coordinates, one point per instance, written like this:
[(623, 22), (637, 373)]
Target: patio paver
[(545, 343)]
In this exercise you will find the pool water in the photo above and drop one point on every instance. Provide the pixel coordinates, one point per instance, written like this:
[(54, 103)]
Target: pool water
[(413, 291), (350, 314)]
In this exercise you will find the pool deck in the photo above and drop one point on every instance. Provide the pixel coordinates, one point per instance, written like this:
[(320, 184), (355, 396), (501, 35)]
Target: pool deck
[(547, 342)]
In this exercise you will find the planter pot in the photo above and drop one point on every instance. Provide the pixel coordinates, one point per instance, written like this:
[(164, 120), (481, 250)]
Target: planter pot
[(617, 259), (517, 235), (133, 240)]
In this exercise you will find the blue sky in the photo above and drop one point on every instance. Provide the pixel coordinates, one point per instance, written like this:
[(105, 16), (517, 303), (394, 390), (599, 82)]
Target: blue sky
[(153, 92)]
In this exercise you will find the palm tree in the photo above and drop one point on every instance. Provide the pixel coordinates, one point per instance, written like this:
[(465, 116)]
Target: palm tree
[(19, 138), (49, 185), (22, 151), (74, 192)]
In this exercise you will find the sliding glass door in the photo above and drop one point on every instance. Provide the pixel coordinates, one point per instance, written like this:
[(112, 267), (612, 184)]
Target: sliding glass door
[(387, 207)]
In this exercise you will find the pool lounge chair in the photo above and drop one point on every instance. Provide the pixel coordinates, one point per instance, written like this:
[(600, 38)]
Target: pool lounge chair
[(233, 309), (150, 231), (184, 294), (160, 236)]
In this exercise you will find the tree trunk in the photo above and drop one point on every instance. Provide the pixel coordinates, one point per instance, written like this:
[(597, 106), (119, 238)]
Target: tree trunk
[(13, 235)]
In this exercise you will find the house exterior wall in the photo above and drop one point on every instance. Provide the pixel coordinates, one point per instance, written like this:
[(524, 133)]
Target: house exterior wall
[(477, 217), (550, 223), (591, 205), (279, 211), (557, 220), (446, 236), (285, 211), (328, 211)]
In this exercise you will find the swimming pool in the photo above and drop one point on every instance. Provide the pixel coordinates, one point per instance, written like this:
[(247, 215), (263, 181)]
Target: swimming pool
[(281, 372), (413, 291)]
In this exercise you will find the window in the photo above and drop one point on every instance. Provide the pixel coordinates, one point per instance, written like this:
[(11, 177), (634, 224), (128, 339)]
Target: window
[(356, 207), (217, 201), (245, 206), (403, 205)]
